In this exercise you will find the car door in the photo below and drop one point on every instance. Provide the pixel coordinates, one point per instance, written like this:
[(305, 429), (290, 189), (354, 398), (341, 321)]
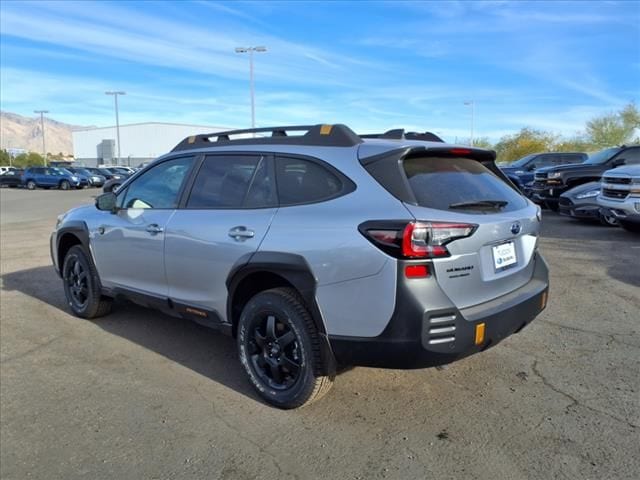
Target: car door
[(225, 218), (128, 245)]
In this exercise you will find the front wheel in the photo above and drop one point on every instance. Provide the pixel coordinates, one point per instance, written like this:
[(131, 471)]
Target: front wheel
[(82, 286), (608, 219), (31, 185), (65, 185), (280, 349)]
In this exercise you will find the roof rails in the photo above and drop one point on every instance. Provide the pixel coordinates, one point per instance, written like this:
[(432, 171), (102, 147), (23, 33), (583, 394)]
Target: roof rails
[(400, 134), (321, 135)]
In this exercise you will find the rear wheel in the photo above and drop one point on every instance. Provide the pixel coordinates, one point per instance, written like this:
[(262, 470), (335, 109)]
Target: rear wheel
[(279, 347), (31, 185), (65, 185), (82, 285)]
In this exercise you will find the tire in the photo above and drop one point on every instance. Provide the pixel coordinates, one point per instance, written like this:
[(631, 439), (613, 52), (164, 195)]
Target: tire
[(65, 185), (608, 220), (82, 285), (31, 185), (630, 226), (280, 349)]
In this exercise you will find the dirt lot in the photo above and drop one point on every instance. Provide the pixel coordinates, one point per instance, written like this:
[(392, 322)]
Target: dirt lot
[(139, 395)]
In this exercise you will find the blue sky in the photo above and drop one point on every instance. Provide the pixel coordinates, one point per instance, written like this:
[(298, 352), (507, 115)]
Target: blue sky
[(371, 65)]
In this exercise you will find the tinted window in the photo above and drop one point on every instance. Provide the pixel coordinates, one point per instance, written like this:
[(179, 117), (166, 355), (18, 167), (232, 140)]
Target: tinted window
[(159, 187), (631, 156), (234, 181), (442, 182), (302, 181), (544, 161)]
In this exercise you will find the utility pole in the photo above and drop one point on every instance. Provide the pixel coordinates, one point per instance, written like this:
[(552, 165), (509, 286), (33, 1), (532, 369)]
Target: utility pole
[(115, 96), (44, 150), (250, 51), (471, 103)]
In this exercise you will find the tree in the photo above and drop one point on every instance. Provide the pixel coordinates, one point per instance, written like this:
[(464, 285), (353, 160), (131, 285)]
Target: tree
[(5, 158), (614, 128), (526, 141), (30, 159), (483, 142)]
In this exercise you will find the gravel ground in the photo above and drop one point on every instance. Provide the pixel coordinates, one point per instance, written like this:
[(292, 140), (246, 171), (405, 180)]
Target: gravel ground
[(139, 395)]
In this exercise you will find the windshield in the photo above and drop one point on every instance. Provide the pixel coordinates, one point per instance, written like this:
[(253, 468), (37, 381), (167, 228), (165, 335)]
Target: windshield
[(602, 156), (104, 171), (522, 162)]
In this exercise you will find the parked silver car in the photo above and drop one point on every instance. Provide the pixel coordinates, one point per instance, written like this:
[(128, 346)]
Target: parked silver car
[(314, 250), (620, 196)]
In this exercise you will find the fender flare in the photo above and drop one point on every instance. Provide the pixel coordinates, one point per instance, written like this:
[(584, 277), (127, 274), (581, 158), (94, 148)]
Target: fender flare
[(78, 229), (296, 271)]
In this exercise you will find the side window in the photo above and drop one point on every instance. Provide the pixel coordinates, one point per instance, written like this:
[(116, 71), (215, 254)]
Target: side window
[(631, 156), (158, 187), (301, 181), (233, 181), (543, 161)]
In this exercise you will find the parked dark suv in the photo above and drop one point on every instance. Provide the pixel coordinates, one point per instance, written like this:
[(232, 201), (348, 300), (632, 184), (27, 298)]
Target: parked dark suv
[(521, 171), (314, 250), (551, 182), (51, 177)]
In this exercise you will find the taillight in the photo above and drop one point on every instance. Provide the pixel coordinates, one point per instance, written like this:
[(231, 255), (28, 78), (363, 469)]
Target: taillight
[(415, 239)]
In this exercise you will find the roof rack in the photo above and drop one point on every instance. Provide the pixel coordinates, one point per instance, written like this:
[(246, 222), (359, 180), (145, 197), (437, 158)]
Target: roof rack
[(400, 134), (321, 135)]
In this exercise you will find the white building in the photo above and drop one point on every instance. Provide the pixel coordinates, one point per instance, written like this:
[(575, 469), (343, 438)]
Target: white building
[(139, 142)]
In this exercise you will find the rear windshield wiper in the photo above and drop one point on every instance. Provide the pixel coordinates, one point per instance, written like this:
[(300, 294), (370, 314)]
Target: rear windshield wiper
[(497, 204)]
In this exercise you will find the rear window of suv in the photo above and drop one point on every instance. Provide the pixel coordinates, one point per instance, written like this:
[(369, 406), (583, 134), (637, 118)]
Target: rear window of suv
[(450, 183)]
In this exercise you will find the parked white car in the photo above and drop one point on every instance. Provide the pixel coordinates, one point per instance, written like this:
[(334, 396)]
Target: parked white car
[(620, 194), (4, 170)]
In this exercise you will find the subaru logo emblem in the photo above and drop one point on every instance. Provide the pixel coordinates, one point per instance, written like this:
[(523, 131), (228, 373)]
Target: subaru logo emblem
[(515, 228)]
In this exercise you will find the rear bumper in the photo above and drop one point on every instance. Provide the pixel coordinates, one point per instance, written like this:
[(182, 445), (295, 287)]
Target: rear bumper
[(414, 337)]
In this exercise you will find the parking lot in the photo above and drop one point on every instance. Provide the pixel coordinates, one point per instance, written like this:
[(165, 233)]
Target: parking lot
[(141, 395)]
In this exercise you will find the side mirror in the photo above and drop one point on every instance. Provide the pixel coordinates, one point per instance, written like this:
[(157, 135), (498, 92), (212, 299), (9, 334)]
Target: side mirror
[(106, 202), (619, 161)]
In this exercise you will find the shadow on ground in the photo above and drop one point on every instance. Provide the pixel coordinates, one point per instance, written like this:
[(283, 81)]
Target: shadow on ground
[(198, 348)]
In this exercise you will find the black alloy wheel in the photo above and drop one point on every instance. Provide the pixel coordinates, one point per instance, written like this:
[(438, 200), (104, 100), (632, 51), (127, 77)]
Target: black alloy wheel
[(82, 285), (77, 282), (274, 351), (281, 350)]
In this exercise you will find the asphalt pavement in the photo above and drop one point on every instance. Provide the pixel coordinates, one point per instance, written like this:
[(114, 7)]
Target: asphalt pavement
[(139, 395)]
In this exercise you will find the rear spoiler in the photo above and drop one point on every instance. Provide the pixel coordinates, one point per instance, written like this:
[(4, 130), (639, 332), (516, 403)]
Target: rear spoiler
[(387, 167)]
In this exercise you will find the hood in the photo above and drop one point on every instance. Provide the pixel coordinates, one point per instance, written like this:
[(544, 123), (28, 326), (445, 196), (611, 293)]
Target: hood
[(585, 187), (566, 168), (628, 170)]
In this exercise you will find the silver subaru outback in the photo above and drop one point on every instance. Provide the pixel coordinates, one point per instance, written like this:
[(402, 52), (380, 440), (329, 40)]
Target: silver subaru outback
[(315, 247)]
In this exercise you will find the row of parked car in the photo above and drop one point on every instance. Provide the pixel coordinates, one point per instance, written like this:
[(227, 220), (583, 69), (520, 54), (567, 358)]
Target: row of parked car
[(604, 186), (65, 178)]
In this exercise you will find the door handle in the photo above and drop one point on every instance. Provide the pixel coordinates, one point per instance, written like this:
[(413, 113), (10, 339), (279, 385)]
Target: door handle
[(241, 233), (154, 228)]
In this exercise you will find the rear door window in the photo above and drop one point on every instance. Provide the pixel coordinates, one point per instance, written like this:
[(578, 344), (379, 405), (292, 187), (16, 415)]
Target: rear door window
[(451, 183), (233, 181)]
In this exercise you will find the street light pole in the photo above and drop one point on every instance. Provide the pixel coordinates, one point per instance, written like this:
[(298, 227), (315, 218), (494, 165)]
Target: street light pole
[(250, 51), (471, 103), (115, 96), (44, 150)]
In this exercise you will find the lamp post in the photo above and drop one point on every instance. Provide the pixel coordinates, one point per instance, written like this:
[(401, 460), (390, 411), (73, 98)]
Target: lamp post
[(44, 150), (250, 51), (472, 104), (115, 96)]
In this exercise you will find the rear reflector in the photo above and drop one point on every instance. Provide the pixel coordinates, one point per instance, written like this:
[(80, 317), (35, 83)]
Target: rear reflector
[(416, 271), (479, 333)]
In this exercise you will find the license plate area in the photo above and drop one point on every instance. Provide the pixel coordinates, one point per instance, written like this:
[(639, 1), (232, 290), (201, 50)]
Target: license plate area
[(504, 256)]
